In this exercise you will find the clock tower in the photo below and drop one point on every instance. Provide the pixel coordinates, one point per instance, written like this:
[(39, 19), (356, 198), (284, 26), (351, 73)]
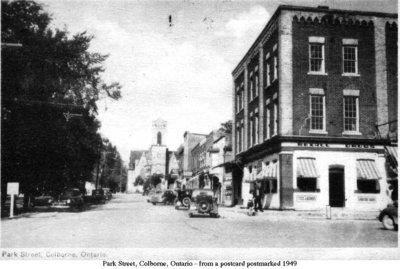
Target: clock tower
[(159, 129), (158, 150)]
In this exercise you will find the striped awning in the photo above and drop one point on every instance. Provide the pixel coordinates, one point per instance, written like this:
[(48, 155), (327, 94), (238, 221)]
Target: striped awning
[(391, 157), (306, 168), (269, 171), (366, 169)]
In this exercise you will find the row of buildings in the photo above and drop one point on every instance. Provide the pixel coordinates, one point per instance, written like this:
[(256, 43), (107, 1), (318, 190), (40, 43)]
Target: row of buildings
[(197, 163), (314, 115)]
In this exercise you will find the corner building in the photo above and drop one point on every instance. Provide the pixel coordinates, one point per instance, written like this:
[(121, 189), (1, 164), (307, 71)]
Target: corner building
[(307, 99)]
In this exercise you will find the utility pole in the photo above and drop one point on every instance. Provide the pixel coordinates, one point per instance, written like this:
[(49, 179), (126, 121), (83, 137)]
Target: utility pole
[(98, 167)]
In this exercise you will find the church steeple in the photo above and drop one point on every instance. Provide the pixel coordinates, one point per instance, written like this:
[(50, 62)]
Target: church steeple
[(159, 131)]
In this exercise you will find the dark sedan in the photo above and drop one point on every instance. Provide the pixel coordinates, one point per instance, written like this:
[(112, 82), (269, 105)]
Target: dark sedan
[(70, 198)]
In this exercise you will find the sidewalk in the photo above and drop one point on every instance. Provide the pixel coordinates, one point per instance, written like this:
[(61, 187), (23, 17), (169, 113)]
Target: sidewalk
[(336, 213)]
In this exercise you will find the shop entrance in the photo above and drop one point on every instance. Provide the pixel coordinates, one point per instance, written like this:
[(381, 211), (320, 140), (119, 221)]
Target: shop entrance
[(336, 186)]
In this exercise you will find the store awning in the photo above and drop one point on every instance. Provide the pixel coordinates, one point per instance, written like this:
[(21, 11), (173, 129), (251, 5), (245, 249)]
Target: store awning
[(269, 171), (391, 158), (306, 168), (366, 169), (226, 164)]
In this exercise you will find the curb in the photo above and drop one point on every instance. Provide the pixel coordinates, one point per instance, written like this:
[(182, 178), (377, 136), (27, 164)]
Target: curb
[(341, 215)]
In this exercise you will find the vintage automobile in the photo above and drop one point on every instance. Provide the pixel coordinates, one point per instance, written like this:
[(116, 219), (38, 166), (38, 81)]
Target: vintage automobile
[(99, 196), (204, 203), (150, 194), (184, 198), (389, 217), (43, 200), (164, 197), (71, 198)]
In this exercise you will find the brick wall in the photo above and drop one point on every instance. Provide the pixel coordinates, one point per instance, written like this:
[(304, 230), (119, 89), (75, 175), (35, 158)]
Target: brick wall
[(286, 180), (273, 86), (334, 83), (391, 56)]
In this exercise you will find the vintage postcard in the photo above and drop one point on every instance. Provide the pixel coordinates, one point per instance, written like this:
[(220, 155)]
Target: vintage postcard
[(194, 133)]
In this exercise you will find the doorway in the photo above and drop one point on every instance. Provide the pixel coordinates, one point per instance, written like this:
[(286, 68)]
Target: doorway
[(336, 186)]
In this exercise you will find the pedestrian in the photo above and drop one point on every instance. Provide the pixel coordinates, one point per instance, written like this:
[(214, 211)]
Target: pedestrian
[(257, 193)]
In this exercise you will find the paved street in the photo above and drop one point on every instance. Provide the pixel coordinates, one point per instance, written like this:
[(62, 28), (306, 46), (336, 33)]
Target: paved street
[(129, 221)]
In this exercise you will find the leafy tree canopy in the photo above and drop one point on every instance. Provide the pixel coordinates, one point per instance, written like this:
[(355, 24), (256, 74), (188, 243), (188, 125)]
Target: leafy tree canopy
[(50, 76)]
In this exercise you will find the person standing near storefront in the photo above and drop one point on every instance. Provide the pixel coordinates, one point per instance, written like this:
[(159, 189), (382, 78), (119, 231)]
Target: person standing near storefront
[(257, 197)]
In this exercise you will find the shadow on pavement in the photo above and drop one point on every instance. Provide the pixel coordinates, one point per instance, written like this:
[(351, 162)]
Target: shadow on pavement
[(48, 209)]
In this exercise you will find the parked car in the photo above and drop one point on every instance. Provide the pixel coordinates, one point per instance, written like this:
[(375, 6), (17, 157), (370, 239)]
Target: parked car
[(43, 200), (98, 196), (107, 193), (388, 217), (184, 198), (204, 203), (70, 198), (164, 197), (150, 194)]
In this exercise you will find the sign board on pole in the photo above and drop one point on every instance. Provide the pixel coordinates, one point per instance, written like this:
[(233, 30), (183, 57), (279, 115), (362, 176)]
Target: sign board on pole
[(13, 188)]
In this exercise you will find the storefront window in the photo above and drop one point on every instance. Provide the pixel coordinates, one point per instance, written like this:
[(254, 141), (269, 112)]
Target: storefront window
[(270, 186), (368, 186), (307, 184)]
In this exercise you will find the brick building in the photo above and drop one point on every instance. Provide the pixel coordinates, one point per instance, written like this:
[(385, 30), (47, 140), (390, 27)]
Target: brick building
[(209, 157), (307, 98), (190, 141)]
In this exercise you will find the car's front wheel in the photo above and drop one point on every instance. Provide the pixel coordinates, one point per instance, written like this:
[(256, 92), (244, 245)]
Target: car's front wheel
[(186, 201), (204, 206), (387, 222)]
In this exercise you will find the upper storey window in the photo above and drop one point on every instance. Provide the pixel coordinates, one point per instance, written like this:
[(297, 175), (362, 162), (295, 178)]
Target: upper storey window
[(350, 56), (351, 112), (275, 73), (256, 82), (239, 97), (251, 90), (268, 70), (316, 49), (317, 111)]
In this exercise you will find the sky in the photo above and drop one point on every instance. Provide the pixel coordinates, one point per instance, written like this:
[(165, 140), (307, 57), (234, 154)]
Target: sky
[(174, 59)]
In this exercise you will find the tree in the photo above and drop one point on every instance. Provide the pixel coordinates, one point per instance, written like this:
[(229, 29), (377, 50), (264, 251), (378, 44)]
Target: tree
[(139, 181), (51, 75), (114, 174), (227, 127), (155, 179)]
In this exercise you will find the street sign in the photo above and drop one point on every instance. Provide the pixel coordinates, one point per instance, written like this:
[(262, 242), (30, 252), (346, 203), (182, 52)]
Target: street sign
[(13, 188)]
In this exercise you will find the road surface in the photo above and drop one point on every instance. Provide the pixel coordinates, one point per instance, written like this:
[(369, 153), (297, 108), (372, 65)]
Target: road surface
[(128, 221)]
